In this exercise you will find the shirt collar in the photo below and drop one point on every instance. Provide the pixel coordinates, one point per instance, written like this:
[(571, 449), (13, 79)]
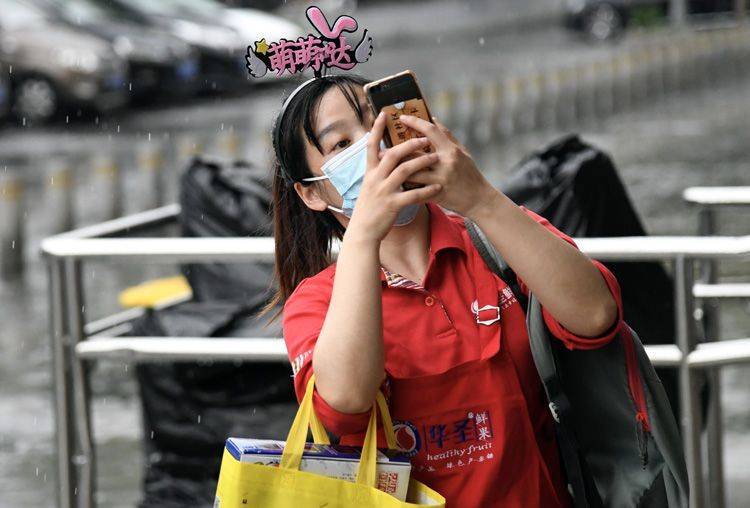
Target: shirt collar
[(445, 233)]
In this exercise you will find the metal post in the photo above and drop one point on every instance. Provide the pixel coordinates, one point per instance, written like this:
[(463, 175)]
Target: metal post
[(11, 225), (710, 322), (227, 143), (497, 110), (83, 460), (678, 12), (474, 127), (690, 411), (511, 121), (107, 186), (62, 387), (59, 194), (150, 163), (740, 9)]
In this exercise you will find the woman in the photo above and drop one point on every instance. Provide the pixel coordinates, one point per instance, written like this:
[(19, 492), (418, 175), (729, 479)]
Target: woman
[(411, 309)]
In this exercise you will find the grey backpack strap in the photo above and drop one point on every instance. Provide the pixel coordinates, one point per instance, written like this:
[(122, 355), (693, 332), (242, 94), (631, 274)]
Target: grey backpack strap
[(580, 480), (495, 262), (581, 483)]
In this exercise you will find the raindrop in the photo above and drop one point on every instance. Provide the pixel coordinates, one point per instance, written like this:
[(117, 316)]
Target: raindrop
[(130, 87), (37, 471), (199, 418), (152, 434), (481, 41), (149, 136), (126, 367), (118, 128), (10, 69), (23, 121), (13, 244), (67, 118)]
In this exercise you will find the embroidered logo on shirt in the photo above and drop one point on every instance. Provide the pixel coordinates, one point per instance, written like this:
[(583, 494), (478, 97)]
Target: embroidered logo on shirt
[(507, 298), (299, 361), (448, 444), (490, 313)]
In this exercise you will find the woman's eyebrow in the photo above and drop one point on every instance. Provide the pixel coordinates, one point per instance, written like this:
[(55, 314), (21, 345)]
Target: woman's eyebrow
[(330, 127)]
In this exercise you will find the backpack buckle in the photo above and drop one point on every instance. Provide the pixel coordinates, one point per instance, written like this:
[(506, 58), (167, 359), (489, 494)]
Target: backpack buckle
[(553, 409), (476, 310)]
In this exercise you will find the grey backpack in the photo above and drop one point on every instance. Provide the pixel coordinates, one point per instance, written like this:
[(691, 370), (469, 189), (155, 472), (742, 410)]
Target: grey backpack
[(619, 443)]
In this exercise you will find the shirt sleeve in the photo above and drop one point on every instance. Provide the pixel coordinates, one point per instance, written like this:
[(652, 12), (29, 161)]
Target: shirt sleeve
[(303, 316), (568, 338)]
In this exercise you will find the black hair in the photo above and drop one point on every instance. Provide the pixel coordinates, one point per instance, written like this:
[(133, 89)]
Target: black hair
[(302, 236)]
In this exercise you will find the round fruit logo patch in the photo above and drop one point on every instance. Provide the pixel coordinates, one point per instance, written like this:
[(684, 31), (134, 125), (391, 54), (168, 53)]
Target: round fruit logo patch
[(407, 437)]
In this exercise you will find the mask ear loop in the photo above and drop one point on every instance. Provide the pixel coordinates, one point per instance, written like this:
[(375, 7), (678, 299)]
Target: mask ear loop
[(331, 207), (313, 178)]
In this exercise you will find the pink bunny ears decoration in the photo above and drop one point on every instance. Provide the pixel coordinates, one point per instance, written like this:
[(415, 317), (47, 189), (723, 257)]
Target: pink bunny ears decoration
[(330, 48)]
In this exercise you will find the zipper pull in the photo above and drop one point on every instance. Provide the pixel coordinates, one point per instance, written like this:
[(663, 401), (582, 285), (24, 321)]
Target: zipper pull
[(642, 433)]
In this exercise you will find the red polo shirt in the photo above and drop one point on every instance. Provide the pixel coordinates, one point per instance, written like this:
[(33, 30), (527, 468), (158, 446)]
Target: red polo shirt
[(461, 321)]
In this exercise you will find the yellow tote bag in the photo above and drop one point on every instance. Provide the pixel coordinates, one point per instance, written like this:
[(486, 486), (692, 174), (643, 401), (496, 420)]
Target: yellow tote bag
[(243, 485)]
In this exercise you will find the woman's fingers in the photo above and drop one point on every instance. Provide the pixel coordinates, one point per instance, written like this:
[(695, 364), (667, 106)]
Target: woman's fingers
[(446, 131), (394, 155), (373, 144), (418, 195), (427, 129), (405, 170)]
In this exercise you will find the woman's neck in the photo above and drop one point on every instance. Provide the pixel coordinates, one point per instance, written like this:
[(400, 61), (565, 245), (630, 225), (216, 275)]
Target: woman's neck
[(405, 249)]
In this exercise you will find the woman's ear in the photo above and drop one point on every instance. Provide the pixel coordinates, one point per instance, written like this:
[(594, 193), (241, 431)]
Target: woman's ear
[(310, 195)]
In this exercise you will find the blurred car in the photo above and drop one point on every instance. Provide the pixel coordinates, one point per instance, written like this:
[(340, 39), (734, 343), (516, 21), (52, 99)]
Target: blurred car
[(55, 66), (158, 63), (603, 20), (251, 24), (221, 50), (299, 6)]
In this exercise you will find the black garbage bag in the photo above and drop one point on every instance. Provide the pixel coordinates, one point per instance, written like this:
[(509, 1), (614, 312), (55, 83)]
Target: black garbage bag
[(189, 409), (221, 198), (576, 187)]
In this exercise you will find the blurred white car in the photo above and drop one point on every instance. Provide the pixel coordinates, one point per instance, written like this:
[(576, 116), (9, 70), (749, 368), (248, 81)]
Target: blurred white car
[(251, 24)]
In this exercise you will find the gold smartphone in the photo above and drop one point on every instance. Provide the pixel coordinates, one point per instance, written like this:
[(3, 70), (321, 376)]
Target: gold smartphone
[(396, 95)]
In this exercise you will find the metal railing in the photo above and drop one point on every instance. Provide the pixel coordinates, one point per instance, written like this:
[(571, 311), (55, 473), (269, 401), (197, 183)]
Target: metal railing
[(76, 342), (708, 201)]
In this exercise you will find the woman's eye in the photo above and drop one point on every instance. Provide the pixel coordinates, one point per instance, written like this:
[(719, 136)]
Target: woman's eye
[(341, 144)]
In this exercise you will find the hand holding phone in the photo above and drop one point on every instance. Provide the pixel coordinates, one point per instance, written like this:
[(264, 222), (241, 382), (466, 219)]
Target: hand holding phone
[(396, 95)]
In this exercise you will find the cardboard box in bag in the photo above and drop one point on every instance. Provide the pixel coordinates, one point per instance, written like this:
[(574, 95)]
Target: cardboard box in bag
[(335, 461)]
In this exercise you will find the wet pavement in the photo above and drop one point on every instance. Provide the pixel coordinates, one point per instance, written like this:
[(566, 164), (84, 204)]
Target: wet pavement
[(697, 138)]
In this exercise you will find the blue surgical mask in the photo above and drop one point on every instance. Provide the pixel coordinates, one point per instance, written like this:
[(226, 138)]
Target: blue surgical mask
[(346, 170)]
